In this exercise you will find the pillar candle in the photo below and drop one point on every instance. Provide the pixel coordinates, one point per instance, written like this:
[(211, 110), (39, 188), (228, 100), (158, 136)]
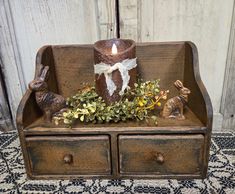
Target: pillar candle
[(115, 68)]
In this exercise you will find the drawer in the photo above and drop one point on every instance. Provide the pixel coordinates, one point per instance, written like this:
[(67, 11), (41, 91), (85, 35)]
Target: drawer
[(81, 155), (160, 154)]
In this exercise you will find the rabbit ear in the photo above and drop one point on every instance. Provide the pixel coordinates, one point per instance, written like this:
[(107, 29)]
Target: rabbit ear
[(178, 84), (45, 73), (39, 70)]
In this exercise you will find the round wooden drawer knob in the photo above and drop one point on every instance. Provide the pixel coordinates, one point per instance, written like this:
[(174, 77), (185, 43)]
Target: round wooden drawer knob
[(159, 158), (68, 159)]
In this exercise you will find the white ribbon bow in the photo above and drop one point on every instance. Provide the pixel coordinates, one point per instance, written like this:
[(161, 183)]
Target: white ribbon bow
[(123, 68)]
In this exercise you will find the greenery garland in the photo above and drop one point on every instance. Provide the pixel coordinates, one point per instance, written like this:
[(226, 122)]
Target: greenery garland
[(135, 104)]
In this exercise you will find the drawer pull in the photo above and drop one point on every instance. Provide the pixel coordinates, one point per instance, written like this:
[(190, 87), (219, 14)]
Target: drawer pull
[(159, 158), (68, 159)]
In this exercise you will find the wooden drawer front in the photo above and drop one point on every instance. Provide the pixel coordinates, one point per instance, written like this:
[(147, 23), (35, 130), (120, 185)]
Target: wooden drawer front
[(69, 155), (160, 154)]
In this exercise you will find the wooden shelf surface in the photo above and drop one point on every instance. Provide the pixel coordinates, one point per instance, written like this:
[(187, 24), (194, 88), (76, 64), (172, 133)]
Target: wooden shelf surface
[(190, 124)]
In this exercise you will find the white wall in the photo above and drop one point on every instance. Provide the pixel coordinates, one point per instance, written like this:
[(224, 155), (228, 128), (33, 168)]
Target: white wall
[(204, 22), (30, 24), (27, 25), (38, 23)]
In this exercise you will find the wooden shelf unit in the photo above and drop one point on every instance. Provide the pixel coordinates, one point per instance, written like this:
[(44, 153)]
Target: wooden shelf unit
[(126, 149)]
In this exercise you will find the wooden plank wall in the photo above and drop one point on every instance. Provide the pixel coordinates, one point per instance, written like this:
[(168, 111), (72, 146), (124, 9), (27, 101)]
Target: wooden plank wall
[(5, 117), (28, 25), (10, 61), (206, 23), (228, 100)]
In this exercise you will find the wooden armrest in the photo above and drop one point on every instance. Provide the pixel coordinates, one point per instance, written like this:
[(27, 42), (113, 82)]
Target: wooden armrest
[(199, 100), (28, 110)]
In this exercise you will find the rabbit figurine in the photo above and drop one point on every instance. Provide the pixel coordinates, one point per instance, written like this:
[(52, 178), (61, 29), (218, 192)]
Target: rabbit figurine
[(49, 102), (174, 106)]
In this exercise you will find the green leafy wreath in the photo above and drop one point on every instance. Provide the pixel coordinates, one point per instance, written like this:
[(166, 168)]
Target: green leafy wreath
[(135, 104)]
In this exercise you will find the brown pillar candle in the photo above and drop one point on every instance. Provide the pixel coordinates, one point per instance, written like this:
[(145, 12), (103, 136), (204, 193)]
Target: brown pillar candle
[(115, 67)]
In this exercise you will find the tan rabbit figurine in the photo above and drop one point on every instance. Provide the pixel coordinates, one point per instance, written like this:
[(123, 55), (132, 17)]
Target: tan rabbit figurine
[(49, 102), (174, 107)]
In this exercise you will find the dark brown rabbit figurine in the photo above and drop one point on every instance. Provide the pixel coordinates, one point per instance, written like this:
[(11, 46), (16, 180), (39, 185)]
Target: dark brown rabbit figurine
[(49, 102), (174, 106)]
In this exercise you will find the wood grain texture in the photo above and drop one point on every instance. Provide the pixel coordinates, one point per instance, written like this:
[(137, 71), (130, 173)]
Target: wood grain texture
[(154, 60), (161, 58), (191, 120), (199, 100), (51, 22), (129, 15), (89, 155), (139, 154), (206, 23), (5, 117), (10, 60), (71, 65), (28, 25), (228, 100), (106, 19)]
